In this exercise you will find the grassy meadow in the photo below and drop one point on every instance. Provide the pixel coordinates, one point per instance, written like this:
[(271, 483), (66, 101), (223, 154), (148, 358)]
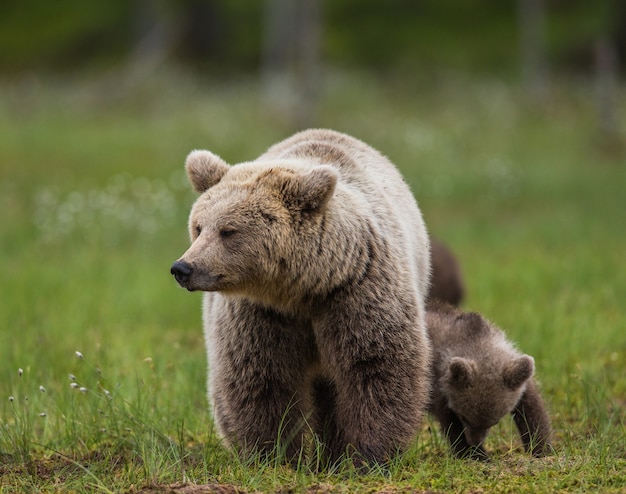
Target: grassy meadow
[(102, 364)]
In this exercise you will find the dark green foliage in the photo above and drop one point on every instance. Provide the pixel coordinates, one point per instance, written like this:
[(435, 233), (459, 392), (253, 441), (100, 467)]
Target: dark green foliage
[(223, 36)]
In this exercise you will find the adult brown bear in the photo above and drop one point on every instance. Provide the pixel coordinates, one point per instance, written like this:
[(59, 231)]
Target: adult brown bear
[(315, 263)]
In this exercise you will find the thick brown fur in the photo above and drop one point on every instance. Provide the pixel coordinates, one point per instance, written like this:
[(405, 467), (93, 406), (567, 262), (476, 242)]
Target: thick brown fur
[(446, 282), (313, 317), (478, 378)]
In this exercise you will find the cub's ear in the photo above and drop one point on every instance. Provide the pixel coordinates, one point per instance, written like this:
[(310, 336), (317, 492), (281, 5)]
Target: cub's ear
[(518, 371), (311, 190), (461, 372), (204, 169)]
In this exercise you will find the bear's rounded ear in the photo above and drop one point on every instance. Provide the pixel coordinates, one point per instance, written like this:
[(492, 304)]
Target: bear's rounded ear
[(204, 169), (310, 190), (461, 372), (319, 187), (518, 371)]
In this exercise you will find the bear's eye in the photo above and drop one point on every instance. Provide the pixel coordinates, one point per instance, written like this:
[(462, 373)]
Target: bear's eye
[(227, 232), (198, 230), (269, 218)]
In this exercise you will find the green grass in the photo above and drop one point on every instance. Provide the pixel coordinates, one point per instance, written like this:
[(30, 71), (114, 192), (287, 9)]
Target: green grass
[(93, 205)]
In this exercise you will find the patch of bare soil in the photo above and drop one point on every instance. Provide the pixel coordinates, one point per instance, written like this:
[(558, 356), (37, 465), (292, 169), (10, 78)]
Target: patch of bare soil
[(181, 488)]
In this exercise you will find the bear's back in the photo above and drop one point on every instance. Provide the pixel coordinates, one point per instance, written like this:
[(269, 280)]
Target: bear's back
[(357, 162), (375, 186), (455, 333)]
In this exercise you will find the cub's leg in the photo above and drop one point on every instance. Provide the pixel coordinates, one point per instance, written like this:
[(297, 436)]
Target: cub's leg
[(531, 418)]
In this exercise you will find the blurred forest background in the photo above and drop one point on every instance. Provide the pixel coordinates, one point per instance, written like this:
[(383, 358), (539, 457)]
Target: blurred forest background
[(236, 36), (292, 45)]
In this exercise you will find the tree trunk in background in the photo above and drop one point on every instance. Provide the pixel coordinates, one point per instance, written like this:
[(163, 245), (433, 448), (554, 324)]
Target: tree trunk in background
[(532, 27), (154, 40), (618, 16), (291, 65), (606, 72), (607, 89), (308, 66), (277, 45)]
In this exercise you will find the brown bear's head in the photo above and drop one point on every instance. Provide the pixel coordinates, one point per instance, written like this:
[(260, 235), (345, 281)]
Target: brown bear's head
[(249, 223)]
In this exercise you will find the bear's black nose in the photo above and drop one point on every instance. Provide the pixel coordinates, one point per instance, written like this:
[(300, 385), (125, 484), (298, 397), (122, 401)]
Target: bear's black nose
[(181, 271)]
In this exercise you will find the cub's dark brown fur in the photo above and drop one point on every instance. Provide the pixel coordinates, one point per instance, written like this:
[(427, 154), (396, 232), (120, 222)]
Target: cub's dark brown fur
[(479, 377), (446, 281)]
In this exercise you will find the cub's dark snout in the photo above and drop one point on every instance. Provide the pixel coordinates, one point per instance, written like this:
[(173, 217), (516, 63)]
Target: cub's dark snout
[(182, 272)]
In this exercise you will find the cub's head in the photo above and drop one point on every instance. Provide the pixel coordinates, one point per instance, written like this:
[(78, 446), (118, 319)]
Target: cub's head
[(485, 380), (247, 225), (482, 391)]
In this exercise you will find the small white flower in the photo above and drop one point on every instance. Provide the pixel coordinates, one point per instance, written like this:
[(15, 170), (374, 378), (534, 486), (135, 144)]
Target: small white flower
[(78, 354), (42, 389), (72, 377), (11, 398), (42, 414), (108, 394), (82, 389), (20, 371), (74, 385)]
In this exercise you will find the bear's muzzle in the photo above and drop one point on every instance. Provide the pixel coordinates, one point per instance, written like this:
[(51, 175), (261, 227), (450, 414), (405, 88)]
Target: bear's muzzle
[(182, 272)]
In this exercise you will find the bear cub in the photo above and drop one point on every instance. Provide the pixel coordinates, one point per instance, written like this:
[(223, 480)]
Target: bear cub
[(478, 378)]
